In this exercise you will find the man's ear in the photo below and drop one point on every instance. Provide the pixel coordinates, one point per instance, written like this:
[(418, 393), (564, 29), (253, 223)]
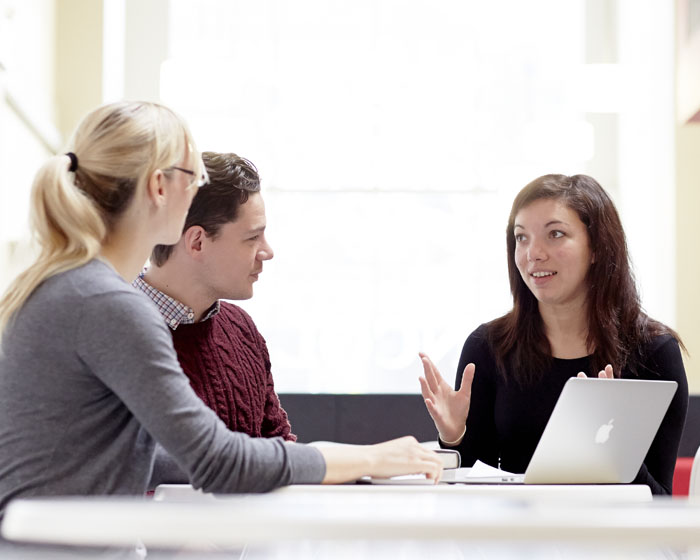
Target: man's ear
[(193, 238), (155, 188)]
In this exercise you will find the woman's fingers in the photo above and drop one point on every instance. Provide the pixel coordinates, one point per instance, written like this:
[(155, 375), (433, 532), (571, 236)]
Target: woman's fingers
[(430, 373), (606, 373), (416, 458), (429, 401), (425, 389), (433, 471), (448, 408), (432, 410), (432, 464), (467, 379), (391, 458)]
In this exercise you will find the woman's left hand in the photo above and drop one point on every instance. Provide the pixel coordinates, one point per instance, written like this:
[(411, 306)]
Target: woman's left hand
[(606, 373), (400, 456)]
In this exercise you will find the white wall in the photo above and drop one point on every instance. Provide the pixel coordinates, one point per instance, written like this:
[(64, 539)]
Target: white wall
[(27, 43), (391, 137), (52, 49)]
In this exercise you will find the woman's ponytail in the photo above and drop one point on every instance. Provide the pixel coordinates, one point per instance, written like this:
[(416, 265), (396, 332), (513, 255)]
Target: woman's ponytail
[(67, 227), (77, 198)]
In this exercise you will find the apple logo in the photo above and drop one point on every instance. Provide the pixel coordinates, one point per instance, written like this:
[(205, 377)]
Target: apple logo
[(603, 433)]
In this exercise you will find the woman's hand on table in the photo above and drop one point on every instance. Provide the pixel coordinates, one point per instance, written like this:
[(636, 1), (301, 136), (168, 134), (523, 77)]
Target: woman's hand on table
[(396, 457)]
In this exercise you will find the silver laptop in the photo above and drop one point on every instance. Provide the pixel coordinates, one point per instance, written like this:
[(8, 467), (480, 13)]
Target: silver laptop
[(599, 432)]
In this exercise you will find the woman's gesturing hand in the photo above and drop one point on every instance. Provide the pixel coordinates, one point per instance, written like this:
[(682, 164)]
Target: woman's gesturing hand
[(447, 407)]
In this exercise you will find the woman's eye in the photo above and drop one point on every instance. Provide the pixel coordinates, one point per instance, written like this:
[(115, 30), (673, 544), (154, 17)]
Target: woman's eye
[(556, 234), (254, 238), (519, 237)]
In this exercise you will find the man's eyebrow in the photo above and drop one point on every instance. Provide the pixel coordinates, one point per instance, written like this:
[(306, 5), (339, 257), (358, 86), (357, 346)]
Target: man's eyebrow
[(258, 229)]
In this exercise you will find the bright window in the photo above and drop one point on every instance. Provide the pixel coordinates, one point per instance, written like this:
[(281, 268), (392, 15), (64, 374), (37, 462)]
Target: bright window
[(391, 137)]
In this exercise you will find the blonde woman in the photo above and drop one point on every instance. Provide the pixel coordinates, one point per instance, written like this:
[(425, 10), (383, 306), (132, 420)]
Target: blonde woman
[(89, 380)]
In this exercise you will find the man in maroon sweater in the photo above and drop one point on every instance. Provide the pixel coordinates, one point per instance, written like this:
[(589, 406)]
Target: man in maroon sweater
[(219, 256)]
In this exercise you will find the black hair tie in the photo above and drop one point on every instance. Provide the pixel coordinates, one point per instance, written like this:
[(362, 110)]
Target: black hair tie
[(73, 162)]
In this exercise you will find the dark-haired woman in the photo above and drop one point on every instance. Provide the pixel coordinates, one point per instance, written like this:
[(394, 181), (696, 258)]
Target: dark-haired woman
[(575, 309)]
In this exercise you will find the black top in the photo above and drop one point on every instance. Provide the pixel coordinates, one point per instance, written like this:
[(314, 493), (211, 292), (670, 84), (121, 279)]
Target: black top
[(506, 419)]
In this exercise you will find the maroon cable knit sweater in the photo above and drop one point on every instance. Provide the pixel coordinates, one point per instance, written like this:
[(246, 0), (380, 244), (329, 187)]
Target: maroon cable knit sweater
[(228, 364)]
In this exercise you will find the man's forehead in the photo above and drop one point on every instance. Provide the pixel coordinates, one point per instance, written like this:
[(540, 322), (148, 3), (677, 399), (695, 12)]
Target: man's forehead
[(251, 214)]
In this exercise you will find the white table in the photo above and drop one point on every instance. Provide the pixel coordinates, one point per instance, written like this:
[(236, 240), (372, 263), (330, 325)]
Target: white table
[(376, 519), (569, 493)]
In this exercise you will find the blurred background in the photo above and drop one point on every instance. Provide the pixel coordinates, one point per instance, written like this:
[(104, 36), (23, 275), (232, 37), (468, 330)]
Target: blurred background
[(391, 137)]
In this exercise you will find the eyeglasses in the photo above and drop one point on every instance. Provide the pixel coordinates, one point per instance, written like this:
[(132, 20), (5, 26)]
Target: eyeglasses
[(203, 179)]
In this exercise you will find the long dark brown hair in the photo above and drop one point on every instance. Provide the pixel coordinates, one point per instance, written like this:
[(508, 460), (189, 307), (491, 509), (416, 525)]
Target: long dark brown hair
[(617, 326)]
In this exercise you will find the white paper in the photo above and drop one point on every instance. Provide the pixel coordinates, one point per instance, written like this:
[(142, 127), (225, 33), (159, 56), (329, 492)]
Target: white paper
[(482, 469)]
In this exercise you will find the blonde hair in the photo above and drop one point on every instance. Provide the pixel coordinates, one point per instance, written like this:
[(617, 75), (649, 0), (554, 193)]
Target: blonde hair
[(118, 147)]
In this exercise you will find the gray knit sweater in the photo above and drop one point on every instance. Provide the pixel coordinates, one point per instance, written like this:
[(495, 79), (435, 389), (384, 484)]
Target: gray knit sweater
[(89, 381)]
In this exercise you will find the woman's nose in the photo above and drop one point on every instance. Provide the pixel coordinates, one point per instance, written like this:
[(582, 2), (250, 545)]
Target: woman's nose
[(535, 252)]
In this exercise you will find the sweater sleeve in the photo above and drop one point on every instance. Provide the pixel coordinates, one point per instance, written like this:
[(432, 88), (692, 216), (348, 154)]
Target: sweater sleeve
[(665, 362), (126, 344), (481, 438), (275, 421)]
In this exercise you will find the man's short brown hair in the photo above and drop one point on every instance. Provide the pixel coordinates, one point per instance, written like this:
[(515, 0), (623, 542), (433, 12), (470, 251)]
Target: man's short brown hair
[(231, 179)]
